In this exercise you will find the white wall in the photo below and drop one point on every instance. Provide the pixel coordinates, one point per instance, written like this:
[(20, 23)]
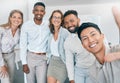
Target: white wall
[(101, 12), (7, 5)]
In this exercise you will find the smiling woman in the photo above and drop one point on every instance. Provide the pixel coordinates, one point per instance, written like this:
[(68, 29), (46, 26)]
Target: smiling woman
[(9, 39)]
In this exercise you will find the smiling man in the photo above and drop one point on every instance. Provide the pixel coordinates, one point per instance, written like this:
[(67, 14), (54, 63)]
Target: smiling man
[(33, 45), (107, 66), (78, 60)]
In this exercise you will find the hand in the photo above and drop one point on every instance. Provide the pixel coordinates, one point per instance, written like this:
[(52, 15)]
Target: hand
[(72, 81), (3, 71), (26, 69), (110, 57)]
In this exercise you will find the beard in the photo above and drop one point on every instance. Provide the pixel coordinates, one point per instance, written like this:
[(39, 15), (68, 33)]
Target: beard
[(74, 30)]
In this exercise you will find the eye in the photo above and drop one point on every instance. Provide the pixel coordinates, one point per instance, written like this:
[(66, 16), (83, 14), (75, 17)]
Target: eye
[(71, 20), (84, 38), (93, 34), (36, 10), (13, 16)]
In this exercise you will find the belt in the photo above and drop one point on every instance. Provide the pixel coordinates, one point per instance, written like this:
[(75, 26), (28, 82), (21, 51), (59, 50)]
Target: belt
[(38, 53), (8, 53)]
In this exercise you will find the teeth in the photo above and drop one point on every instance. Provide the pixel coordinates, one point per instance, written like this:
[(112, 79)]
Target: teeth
[(71, 28), (93, 45), (39, 16)]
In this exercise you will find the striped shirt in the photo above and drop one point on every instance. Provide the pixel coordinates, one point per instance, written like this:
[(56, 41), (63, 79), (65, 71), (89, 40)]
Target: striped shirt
[(7, 41)]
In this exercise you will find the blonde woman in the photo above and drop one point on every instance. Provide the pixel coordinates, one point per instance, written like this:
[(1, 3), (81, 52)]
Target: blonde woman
[(9, 38)]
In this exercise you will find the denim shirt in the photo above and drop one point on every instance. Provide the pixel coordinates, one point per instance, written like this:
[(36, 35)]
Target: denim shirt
[(63, 34)]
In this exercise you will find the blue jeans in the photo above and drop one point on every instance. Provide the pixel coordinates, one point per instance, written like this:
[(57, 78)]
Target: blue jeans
[(82, 75)]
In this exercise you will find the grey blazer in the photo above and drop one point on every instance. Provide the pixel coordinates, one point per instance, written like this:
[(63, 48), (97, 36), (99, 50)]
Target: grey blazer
[(63, 34)]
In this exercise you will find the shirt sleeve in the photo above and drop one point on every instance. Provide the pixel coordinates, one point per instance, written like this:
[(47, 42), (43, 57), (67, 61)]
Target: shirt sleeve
[(69, 61), (1, 57), (23, 45)]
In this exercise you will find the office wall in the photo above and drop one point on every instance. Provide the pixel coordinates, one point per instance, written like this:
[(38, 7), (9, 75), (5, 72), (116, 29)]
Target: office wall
[(7, 5), (99, 12), (102, 13)]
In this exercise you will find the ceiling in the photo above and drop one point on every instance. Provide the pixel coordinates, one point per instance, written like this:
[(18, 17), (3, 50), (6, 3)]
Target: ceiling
[(76, 2)]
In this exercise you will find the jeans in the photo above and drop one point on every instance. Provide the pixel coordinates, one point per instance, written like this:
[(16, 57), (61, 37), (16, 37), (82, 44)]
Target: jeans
[(82, 75)]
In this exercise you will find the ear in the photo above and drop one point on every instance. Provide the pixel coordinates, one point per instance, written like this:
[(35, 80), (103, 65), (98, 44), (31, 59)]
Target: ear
[(102, 35), (79, 21), (44, 12), (33, 11)]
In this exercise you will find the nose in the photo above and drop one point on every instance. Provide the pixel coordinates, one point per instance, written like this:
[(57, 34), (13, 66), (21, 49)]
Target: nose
[(69, 24), (90, 39)]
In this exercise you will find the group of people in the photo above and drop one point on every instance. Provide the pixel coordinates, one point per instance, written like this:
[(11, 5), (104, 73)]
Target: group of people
[(59, 51)]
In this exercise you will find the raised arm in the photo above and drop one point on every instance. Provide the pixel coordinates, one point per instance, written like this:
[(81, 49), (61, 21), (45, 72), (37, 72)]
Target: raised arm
[(116, 14)]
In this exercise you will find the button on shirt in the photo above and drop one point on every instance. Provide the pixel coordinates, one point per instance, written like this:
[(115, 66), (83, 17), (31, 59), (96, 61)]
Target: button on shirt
[(7, 41), (33, 38)]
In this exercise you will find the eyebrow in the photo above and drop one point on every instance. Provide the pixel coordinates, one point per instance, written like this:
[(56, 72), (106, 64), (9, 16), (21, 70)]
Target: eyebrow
[(89, 33), (92, 32)]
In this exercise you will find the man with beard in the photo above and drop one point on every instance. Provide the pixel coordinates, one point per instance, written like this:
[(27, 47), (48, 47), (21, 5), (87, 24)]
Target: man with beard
[(78, 60), (33, 45)]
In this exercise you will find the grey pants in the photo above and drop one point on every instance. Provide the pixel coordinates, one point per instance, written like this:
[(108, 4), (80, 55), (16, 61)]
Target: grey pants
[(38, 68), (10, 63)]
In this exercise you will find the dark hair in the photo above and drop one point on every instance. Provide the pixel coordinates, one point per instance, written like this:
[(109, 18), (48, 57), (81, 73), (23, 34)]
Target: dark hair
[(74, 12), (39, 4), (51, 26), (87, 25)]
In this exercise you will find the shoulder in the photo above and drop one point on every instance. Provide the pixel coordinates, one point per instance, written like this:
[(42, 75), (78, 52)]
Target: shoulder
[(26, 25), (45, 23), (2, 29), (68, 40), (64, 30)]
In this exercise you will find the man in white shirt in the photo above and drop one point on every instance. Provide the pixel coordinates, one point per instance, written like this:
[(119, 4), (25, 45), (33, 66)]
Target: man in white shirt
[(33, 45)]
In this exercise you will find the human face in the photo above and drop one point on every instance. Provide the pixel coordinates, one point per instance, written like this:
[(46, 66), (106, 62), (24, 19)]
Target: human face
[(56, 19), (39, 12), (92, 40), (71, 22), (16, 20)]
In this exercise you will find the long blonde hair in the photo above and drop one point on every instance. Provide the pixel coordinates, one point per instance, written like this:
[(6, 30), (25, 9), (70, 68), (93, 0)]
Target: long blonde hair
[(8, 24)]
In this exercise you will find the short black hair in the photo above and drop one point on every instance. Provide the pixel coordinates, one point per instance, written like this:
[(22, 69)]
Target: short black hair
[(74, 12), (87, 25), (39, 4)]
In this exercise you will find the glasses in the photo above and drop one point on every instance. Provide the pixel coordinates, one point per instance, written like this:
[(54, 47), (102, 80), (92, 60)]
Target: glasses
[(54, 17)]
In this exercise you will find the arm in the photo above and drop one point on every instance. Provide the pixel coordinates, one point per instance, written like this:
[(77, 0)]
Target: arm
[(114, 55), (116, 14), (23, 49), (1, 57), (3, 67), (69, 61)]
